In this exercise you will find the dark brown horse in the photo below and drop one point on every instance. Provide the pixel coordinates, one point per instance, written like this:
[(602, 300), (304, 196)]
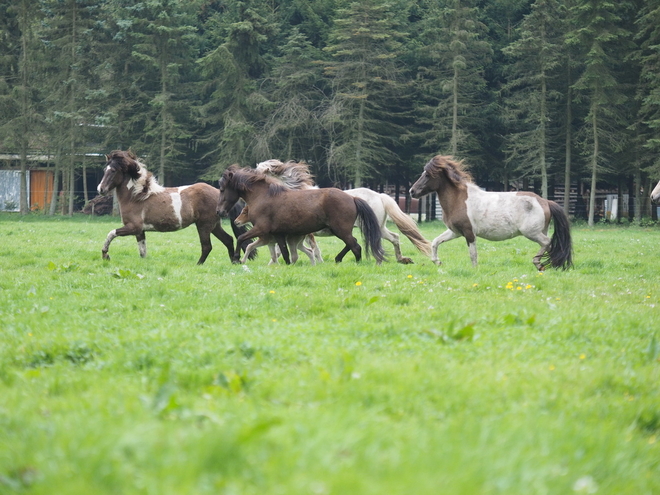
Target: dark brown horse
[(471, 212), (145, 205), (277, 211)]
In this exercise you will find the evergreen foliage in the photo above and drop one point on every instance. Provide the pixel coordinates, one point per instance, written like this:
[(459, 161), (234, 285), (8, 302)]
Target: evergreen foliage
[(365, 91)]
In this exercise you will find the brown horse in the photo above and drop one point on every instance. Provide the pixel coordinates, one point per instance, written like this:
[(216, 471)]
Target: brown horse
[(145, 205), (277, 211), (471, 212), (294, 242)]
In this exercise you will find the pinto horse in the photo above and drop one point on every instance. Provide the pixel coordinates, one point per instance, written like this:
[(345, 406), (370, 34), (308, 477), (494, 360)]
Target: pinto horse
[(279, 212), (296, 175), (145, 205), (471, 212)]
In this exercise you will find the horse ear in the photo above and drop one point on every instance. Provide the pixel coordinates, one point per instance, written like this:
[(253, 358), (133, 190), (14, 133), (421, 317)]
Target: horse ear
[(107, 158), (453, 174)]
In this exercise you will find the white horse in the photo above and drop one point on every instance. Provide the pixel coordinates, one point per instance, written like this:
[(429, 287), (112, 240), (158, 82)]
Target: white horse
[(655, 194), (296, 176), (471, 212)]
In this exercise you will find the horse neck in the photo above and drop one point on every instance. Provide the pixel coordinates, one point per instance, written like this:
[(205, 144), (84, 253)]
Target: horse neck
[(450, 195), (124, 194), (257, 189)]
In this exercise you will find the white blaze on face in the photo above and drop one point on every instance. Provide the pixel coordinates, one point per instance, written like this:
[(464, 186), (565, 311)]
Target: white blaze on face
[(176, 206)]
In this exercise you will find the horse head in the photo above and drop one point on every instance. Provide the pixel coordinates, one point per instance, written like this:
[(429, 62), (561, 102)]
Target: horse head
[(438, 171), (230, 189)]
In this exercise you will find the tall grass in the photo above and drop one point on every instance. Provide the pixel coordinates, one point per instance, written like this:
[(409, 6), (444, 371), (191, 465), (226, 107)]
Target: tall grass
[(159, 376)]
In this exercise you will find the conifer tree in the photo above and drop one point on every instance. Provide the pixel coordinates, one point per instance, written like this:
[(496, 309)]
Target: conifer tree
[(364, 76), (599, 35)]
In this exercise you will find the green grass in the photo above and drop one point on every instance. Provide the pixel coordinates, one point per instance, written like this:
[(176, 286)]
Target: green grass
[(159, 376)]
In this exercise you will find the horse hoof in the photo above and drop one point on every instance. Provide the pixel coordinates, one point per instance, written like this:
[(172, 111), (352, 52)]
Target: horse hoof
[(406, 261), (438, 262), (106, 256)]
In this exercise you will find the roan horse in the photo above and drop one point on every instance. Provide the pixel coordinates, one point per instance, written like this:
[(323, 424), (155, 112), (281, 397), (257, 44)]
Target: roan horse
[(277, 211), (296, 175), (471, 212), (145, 205)]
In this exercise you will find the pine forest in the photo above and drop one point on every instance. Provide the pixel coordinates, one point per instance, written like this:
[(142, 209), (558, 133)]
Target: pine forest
[(542, 95)]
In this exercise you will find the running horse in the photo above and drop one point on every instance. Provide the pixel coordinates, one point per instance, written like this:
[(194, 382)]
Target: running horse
[(275, 210), (145, 206), (471, 212), (296, 175)]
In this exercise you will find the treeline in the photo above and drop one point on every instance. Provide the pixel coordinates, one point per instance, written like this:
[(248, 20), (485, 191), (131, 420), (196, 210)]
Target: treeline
[(539, 92)]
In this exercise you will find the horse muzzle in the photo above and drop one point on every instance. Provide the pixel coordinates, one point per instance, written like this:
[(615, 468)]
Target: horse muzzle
[(415, 193)]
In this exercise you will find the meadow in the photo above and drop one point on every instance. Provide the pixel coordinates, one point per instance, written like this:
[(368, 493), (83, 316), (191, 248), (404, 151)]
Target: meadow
[(157, 376)]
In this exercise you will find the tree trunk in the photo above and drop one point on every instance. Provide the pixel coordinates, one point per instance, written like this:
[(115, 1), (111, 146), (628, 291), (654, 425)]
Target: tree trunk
[(638, 199), (24, 205), (84, 177), (56, 181), (544, 169), (454, 119), (569, 143), (594, 164)]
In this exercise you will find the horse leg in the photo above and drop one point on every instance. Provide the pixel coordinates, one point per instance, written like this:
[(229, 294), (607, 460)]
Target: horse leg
[(315, 248), (394, 239), (300, 245), (292, 245), (224, 237), (281, 242), (543, 241), (472, 247), (274, 254), (142, 244), (447, 235), (261, 241), (120, 232), (351, 245)]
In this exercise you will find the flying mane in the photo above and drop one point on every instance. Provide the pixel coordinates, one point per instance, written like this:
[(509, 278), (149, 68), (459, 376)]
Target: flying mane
[(455, 170), (242, 179), (142, 183), (294, 175)]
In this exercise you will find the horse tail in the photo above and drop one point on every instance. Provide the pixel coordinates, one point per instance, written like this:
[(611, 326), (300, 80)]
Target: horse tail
[(560, 251), (370, 228), (406, 225), (233, 215)]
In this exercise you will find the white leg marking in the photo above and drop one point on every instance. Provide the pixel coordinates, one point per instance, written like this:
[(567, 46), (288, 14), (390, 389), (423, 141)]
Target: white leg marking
[(111, 235)]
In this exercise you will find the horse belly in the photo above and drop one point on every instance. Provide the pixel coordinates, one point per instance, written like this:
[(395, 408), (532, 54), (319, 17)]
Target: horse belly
[(158, 214), (494, 216)]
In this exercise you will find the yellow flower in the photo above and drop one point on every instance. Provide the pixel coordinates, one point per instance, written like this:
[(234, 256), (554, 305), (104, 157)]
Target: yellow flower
[(274, 319), (475, 285), (409, 276), (528, 286), (271, 292), (518, 288), (358, 284), (582, 356), (552, 367)]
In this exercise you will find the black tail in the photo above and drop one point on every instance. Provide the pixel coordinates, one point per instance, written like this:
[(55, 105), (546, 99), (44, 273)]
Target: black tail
[(370, 228), (233, 215), (560, 251)]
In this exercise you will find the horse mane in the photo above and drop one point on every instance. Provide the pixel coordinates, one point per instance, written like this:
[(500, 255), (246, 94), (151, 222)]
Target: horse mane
[(294, 175), (142, 183), (455, 170), (242, 179)]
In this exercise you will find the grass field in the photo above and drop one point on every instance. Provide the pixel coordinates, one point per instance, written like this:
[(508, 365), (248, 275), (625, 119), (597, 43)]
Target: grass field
[(157, 376)]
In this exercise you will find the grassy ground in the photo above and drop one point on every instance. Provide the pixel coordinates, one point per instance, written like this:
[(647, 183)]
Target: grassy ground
[(158, 376)]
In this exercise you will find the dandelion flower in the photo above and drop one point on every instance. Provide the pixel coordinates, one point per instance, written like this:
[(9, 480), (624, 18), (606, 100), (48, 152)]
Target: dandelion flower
[(271, 292), (552, 367), (409, 276), (358, 283), (518, 288), (582, 356), (528, 286)]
